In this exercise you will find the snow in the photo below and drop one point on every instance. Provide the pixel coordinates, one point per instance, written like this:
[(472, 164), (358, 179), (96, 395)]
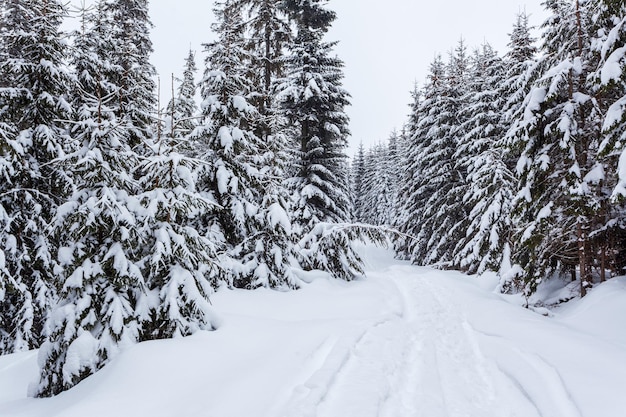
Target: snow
[(278, 216), (620, 189), (595, 175), (240, 103), (545, 212), (612, 68), (536, 97), (406, 341), (80, 356), (226, 139), (65, 256)]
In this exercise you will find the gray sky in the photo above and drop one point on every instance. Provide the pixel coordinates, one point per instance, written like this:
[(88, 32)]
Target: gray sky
[(387, 46)]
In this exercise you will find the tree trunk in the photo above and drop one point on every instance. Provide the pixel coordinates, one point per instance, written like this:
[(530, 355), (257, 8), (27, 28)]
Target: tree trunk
[(582, 258)]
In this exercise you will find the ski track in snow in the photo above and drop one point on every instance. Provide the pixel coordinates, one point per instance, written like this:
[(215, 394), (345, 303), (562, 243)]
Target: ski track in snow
[(426, 361), (406, 342)]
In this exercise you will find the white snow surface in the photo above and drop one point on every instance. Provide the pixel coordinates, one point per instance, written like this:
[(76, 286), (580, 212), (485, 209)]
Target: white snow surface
[(405, 341)]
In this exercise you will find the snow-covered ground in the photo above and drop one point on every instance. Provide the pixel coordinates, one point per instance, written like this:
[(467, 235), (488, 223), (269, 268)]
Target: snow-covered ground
[(406, 341)]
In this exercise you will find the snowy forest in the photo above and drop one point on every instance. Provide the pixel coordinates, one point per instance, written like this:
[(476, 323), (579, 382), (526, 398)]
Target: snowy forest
[(515, 163), (120, 217)]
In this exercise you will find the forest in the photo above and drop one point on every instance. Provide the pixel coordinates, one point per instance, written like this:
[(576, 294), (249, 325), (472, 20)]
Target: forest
[(119, 218), (514, 163)]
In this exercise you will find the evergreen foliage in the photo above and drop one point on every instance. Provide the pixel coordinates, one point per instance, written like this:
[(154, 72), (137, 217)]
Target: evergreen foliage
[(358, 172), (433, 200), (536, 145), (244, 172), (558, 169), (182, 109), (314, 102), (179, 264), (480, 153), (131, 70), (34, 110)]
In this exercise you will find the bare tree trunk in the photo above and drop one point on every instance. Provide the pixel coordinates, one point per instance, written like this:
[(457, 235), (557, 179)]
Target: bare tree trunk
[(603, 262), (582, 258)]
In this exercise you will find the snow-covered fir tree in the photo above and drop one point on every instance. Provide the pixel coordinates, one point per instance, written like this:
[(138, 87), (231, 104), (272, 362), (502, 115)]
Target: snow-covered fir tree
[(313, 101), (268, 32), (416, 189), (242, 172), (410, 146), (181, 111), (131, 266), (132, 71), (358, 177), (560, 131), (481, 154), (435, 201), (607, 44), (97, 230), (179, 264), (35, 112), (379, 188)]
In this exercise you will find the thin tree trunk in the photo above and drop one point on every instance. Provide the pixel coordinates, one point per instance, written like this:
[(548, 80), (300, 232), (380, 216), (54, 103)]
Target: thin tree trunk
[(603, 263), (582, 258)]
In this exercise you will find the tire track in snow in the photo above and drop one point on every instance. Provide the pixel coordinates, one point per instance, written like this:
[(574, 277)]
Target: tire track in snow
[(451, 375), (425, 361), (534, 377), (330, 371)]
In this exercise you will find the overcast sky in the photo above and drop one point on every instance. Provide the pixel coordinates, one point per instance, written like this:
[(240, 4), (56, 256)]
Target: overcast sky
[(387, 47)]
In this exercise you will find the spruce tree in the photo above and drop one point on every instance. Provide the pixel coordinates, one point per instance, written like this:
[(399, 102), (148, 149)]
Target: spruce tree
[(97, 229), (379, 197), (481, 153), (314, 102), (179, 264), (559, 172), (609, 34), (182, 109), (34, 110), (405, 218), (358, 189), (269, 32), (241, 170), (441, 219), (418, 188), (131, 69), (271, 246)]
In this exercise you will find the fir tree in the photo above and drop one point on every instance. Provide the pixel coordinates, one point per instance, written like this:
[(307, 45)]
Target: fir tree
[(442, 217), (379, 193), (358, 189), (314, 102), (98, 233), (559, 173), (97, 228), (243, 171), (34, 111), (132, 71), (269, 32), (417, 189), (182, 108), (481, 154), (404, 220), (179, 264), (609, 35)]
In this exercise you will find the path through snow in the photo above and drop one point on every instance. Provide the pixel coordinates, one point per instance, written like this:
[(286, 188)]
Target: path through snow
[(406, 342)]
